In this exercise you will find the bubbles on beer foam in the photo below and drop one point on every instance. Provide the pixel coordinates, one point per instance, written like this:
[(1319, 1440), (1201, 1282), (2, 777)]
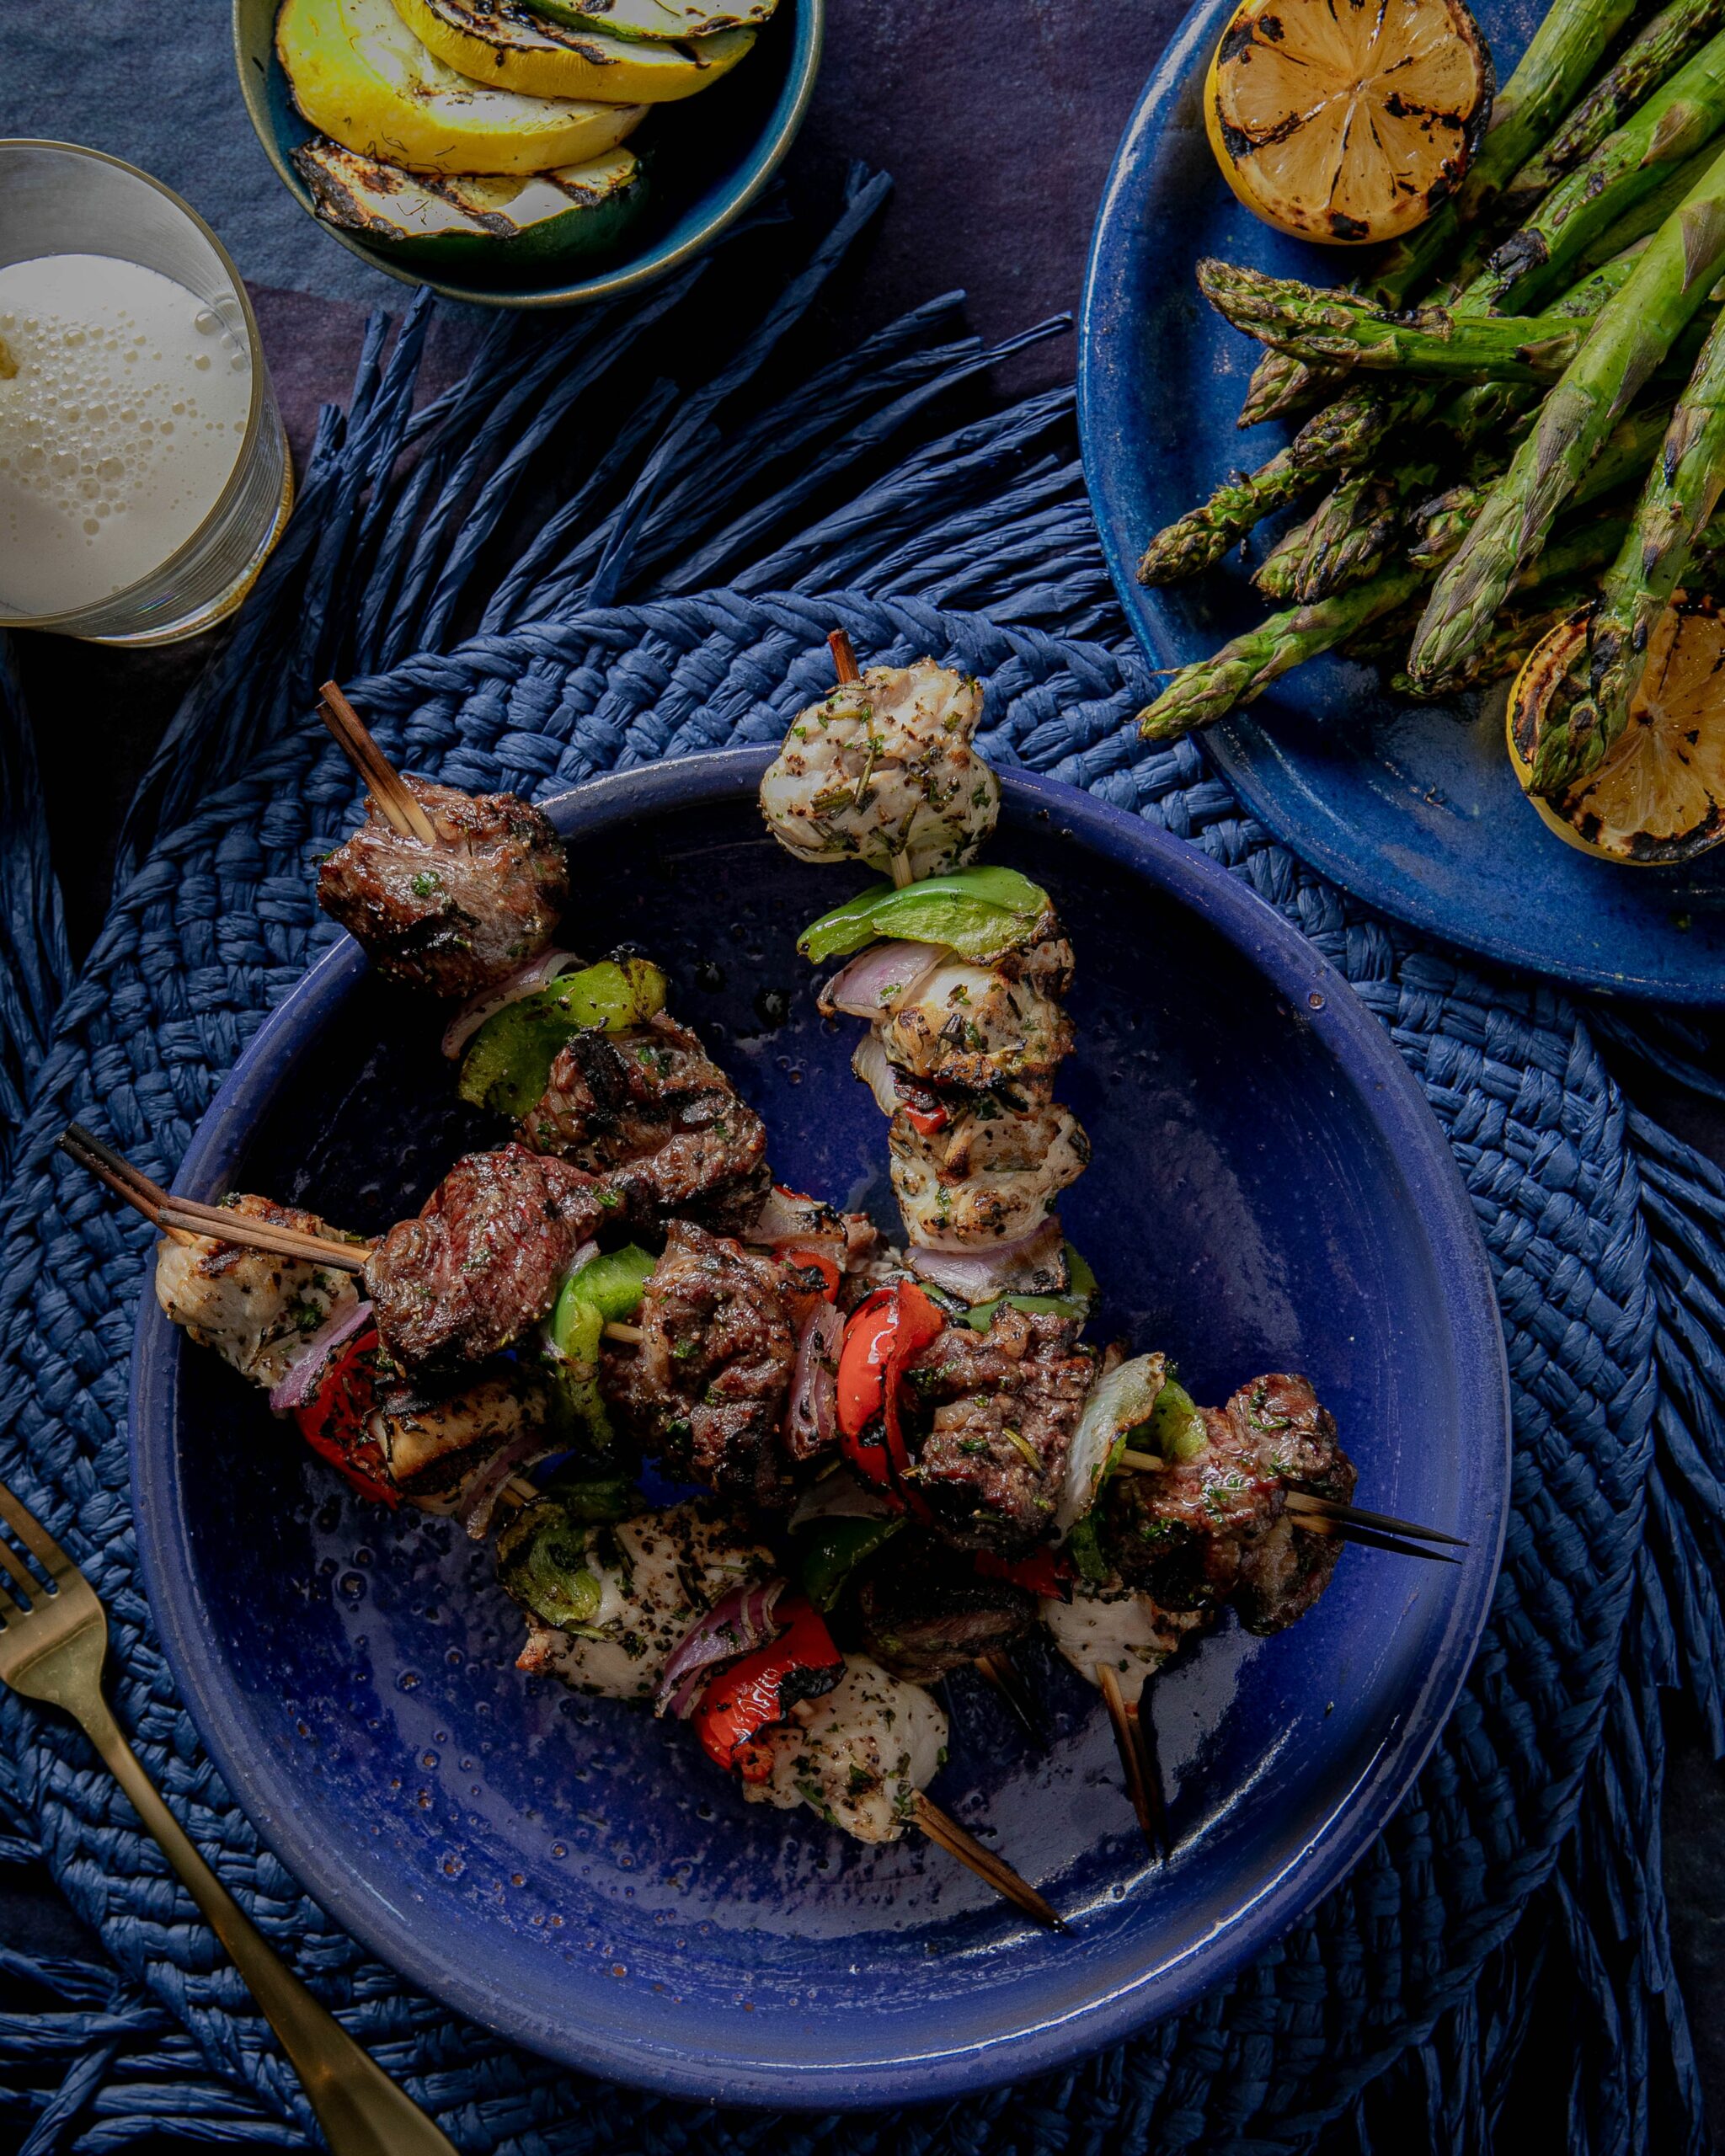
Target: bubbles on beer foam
[(122, 413)]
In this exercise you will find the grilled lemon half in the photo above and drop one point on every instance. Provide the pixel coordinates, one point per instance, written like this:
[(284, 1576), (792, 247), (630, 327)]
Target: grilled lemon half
[(1346, 124), (1658, 798), (361, 78)]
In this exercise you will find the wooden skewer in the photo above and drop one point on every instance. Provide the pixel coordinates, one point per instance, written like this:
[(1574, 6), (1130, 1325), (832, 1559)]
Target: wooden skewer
[(940, 1827), (1001, 1674), (1368, 1538), (188, 1219), (844, 657), (1305, 1503), (399, 808), (1137, 1747), (631, 1336)]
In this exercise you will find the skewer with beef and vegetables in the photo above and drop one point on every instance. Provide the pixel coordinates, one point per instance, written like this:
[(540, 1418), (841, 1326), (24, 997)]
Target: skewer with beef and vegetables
[(967, 1397), (684, 1606)]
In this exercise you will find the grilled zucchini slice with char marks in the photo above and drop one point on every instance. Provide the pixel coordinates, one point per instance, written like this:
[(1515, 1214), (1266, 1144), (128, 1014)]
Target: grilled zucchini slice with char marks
[(500, 44)]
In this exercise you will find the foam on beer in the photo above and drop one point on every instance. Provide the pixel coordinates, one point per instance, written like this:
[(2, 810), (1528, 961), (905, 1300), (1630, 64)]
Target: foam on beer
[(123, 410)]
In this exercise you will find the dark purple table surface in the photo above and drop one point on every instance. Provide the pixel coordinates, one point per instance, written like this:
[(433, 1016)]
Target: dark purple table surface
[(998, 119)]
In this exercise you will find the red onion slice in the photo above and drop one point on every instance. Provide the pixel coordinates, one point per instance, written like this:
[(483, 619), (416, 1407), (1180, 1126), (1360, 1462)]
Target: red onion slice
[(297, 1380), (1031, 1265), (878, 979), (736, 1625), (841, 1495), (536, 973), (482, 1497), (812, 1417), (870, 1066)]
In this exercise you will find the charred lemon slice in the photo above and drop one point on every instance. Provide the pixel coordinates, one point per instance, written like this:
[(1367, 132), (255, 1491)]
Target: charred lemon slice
[(1658, 797), (1343, 123), (506, 48)]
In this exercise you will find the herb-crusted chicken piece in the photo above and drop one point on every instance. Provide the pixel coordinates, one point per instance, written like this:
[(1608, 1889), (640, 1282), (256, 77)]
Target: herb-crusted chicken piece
[(882, 770), (859, 1755), (257, 1310), (990, 1175), (1122, 1629), (458, 916), (973, 1027)]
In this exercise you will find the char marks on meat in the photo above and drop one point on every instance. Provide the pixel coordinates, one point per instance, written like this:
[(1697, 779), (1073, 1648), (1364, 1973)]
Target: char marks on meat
[(456, 917), (921, 1614), (650, 1112), (483, 1261), (1001, 1407), (1209, 1529), (707, 1388)]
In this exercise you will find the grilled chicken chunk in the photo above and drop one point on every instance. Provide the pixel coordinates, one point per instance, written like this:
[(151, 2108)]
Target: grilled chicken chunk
[(482, 1262), (857, 1755), (651, 1112), (1213, 1529), (651, 1579), (430, 1441), (920, 1614), (991, 1176), (976, 1028), (1002, 1406), (256, 1311), (882, 768), (454, 917), (1116, 1625), (707, 1386)]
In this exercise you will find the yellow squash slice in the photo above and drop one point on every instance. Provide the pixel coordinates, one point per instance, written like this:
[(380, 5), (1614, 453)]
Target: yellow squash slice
[(506, 48), (1659, 796), (361, 76), (1346, 124)]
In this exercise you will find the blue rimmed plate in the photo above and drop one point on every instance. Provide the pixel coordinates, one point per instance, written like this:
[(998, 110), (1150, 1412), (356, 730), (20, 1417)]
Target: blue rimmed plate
[(1413, 807), (1270, 1191)]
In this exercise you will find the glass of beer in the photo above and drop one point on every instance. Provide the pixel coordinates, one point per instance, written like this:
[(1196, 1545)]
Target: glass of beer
[(144, 473)]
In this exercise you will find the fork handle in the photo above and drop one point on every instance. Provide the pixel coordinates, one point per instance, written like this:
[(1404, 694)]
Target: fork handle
[(361, 2110)]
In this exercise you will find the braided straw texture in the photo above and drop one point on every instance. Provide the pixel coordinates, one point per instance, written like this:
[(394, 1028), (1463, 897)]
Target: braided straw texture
[(1527, 1856)]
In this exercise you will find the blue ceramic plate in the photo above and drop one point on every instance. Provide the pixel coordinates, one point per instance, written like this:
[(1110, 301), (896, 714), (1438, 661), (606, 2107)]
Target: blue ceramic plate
[(1412, 806), (1270, 1191), (707, 159)]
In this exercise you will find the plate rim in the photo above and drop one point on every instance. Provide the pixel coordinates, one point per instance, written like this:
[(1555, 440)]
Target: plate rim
[(1228, 743), (265, 1790)]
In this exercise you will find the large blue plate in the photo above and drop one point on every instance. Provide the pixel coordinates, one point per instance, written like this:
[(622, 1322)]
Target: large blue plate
[(1270, 1191), (1412, 806)]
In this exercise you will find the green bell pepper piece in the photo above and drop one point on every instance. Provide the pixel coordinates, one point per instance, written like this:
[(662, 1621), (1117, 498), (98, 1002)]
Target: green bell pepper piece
[(597, 1498), (1176, 1428), (834, 1549), (508, 1064), (613, 1283), (980, 913), (1085, 1552), (1075, 1303), (541, 1561)]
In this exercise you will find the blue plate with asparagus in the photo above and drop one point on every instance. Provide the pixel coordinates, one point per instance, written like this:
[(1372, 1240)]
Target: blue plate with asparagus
[(1446, 616)]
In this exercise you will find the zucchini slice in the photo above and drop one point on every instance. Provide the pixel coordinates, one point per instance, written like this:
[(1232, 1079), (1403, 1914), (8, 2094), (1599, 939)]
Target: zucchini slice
[(361, 78), (655, 19), (475, 220), (499, 43)]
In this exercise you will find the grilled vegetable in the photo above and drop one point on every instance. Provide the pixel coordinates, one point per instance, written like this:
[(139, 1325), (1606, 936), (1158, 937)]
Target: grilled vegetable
[(980, 913), (757, 1693), (508, 1066), (508, 48), (1346, 126), (361, 76), (859, 1755), (461, 219)]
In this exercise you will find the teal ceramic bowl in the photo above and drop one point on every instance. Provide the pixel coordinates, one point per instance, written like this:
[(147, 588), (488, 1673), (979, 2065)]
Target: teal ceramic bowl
[(707, 159)]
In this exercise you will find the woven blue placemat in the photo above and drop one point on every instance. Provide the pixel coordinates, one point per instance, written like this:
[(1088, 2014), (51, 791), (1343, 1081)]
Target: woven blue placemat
[(677, 601)]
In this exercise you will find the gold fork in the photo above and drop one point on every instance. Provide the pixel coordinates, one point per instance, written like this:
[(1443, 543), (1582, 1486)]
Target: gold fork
[(53, 1644)]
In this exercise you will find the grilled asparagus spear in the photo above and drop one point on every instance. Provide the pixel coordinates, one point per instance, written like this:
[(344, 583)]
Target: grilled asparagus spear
[(1676, 504), (1658, 49), (1630, 339), (1564, 52)]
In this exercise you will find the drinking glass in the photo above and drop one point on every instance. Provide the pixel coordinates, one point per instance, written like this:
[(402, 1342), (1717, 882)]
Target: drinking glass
[(56, 198)]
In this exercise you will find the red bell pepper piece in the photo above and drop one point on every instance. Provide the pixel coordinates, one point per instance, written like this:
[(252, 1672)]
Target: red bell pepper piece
[(1043, 1572), (800, 1258), (885, 1331), (758, 1691), (334, 1415)]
